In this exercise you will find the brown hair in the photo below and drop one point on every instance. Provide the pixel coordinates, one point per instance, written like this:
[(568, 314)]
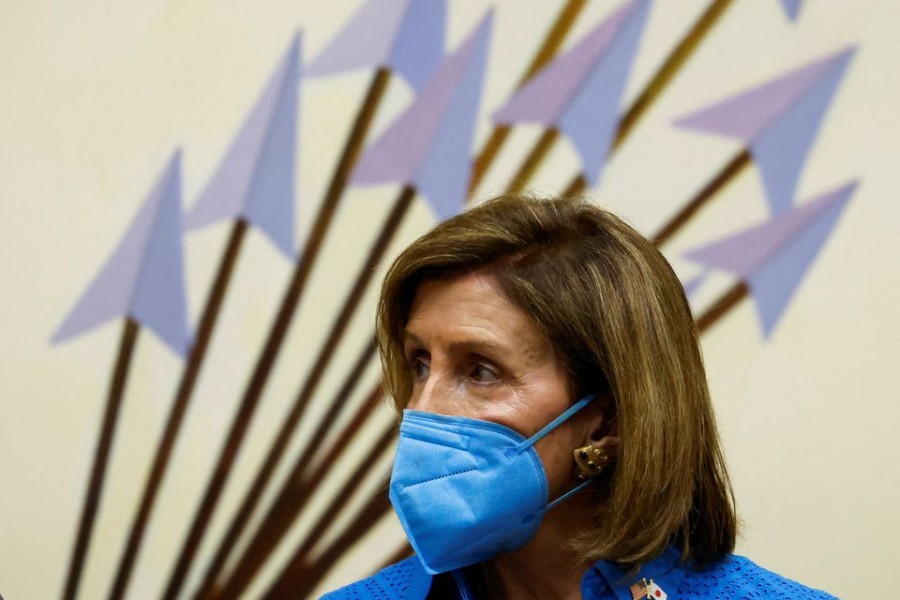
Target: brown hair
[(616, 315)]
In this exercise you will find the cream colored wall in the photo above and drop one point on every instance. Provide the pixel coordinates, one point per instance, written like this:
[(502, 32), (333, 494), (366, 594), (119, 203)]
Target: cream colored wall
[(95, 95)]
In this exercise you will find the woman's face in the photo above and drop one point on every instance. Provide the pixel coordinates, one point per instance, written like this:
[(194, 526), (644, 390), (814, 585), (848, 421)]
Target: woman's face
[(475, 354)]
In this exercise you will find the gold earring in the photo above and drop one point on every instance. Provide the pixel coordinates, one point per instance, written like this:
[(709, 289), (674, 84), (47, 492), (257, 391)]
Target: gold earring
[(590, 461)]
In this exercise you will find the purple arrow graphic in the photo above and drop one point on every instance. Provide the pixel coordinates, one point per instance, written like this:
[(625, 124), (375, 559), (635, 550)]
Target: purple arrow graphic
[(143, 282), (406, 36), (792, 8), (773, 257), (778, 121), (255, 180), (144, 277), (427, 147), (580, 93)]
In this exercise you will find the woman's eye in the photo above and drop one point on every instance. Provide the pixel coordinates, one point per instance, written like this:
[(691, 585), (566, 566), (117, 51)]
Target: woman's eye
[(483, 374), (419, 368)]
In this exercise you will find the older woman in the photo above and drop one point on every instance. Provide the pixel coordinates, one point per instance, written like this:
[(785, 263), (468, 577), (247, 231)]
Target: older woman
[(557, 437)]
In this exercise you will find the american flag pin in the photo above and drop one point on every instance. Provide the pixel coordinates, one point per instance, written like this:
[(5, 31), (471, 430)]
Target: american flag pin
[(647, 591)]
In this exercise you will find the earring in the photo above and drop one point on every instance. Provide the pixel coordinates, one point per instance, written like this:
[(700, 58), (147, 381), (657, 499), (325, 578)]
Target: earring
[(590, 461)]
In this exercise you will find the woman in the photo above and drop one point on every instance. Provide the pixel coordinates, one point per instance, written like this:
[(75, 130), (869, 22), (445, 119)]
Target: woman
[(557, 437)]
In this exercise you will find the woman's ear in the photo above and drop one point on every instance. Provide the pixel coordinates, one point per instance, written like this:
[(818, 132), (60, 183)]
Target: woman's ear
[(603, 421), (601, 437)]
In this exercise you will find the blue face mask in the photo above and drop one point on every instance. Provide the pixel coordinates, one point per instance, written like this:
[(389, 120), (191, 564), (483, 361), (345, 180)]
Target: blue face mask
[(466, 489)]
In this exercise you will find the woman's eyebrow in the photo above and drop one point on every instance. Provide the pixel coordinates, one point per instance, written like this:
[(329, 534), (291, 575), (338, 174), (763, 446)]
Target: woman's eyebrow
[(409, 336), (476, 345)]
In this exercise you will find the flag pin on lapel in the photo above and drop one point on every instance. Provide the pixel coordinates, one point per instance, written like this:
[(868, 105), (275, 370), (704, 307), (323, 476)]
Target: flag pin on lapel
[(647, 591)]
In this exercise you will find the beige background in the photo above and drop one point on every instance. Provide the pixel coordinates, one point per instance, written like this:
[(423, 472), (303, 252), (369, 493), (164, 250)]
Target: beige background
[(96, 95)]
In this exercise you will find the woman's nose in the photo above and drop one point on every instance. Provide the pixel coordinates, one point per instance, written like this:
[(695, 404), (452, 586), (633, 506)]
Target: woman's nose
[(432, 395)]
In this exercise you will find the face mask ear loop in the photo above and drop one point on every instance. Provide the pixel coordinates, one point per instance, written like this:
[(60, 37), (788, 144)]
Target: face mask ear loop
[(555, 423), (571, 492)]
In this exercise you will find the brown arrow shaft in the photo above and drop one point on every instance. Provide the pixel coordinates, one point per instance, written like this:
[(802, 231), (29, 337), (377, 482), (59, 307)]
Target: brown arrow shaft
[(727, 174), (575, 187), (533, 160), (101, 458), (722, 306)]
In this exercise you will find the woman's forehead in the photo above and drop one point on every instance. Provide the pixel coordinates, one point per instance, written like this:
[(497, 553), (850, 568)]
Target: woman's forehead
[(470, 309)]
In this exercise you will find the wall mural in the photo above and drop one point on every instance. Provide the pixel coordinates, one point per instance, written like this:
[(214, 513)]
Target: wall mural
[(576, 97)]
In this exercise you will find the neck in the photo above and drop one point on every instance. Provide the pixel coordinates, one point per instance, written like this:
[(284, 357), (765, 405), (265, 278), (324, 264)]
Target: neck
[(547, 567)]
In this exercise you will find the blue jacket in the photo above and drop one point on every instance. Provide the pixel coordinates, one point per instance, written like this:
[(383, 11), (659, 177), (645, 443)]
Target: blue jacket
[(735, 578)]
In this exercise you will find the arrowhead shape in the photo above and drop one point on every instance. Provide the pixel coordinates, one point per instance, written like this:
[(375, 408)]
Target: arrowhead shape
[(580, 92), (255, 179), (406, 36), (779, 121), (773, 257), (144, 277), (792, 8), (428, 145)]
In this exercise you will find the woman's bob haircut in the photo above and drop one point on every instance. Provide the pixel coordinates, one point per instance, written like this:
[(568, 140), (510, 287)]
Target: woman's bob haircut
[(617, 318)]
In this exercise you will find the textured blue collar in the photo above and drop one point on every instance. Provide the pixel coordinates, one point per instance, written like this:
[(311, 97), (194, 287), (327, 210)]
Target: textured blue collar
[(665, 570)]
